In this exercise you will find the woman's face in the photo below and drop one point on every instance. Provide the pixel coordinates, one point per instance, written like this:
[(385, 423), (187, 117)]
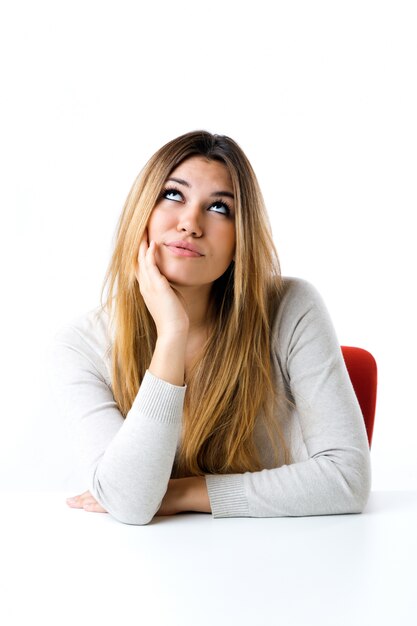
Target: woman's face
[(193, 223)]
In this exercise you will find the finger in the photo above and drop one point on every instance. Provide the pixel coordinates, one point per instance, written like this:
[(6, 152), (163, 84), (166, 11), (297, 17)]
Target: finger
[(140, 259), (94, 507), (143, 247), (87, 502), (149, 275), (150, 254), (74, 504), (151, 264), (77, 501), (144, 243)]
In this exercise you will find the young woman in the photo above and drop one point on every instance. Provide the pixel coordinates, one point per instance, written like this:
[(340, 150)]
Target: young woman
[(206, 381)]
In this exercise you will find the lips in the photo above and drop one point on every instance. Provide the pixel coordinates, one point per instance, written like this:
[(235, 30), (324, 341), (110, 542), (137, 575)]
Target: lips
[(183, 248)]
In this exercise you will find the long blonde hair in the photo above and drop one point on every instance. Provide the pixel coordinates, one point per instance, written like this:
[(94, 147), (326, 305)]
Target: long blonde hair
[(231, 385)]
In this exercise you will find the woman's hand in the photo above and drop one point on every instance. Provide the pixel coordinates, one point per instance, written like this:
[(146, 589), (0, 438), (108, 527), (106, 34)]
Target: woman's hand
[(169, 314), (163, 303), (87, 502)]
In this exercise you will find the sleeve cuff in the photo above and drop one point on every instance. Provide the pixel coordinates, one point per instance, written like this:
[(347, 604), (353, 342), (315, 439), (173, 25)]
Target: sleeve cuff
[(227, 495), (159, 400)]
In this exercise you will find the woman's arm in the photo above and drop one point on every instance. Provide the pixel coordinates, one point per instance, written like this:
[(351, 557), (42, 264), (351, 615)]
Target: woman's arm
[(183, 494), (128, 462), (332, 474), (169, 315)]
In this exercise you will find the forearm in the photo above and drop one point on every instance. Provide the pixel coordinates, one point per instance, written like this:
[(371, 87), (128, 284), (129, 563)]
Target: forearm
[(170, 317), (168, 360), (131, 478), (333, 483), (186, 494), (195, 495)]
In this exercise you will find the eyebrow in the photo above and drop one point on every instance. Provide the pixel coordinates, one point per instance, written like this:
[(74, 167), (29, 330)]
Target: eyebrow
[(181, 181)]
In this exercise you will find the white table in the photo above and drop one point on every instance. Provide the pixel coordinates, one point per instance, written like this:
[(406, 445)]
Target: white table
[(64, 566)]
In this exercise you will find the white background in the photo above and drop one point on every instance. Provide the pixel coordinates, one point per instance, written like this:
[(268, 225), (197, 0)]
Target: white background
[(321, 96)]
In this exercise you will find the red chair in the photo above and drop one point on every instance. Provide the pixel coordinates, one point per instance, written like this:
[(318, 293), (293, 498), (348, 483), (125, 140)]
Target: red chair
[(362, 369)]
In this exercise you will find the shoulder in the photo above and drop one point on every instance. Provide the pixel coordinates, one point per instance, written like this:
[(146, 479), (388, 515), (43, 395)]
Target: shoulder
[(298, 296), (301, 313), (88, 335), (91, 328)]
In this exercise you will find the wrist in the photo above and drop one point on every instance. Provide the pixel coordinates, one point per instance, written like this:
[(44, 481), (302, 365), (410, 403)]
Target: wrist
[(168, 360), (195, 495), (173, 337)]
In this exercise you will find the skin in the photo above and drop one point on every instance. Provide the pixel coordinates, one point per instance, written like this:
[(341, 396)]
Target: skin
[(176, 290)]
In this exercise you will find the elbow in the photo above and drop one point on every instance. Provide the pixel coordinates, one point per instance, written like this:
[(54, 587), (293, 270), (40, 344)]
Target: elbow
[(124, 507), (356, 501), (131, 513), (360, 495), (355, 486), (132, 518)]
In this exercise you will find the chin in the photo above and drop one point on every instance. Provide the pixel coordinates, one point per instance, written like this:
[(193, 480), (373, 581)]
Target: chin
[(173, 275), (179, 281), (182, 279), (184, 274)]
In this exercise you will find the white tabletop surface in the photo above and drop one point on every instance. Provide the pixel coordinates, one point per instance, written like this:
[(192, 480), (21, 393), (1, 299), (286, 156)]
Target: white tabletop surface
[(64, 566)]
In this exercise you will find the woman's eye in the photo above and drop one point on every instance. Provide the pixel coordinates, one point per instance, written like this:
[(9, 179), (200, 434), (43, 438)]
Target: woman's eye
[(171, 194), (220, 207)]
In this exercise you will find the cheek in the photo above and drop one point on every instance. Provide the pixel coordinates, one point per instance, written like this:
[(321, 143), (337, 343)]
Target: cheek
[(155, 226), (229, 243)]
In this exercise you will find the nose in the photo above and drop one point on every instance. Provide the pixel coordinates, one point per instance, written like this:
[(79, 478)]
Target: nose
[(189, 221)]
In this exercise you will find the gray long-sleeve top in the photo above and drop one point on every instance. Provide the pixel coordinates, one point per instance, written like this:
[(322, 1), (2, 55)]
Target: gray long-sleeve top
[(128, 462)]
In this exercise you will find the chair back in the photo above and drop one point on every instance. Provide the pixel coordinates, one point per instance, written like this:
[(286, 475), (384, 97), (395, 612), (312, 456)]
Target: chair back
[(362, 369)]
